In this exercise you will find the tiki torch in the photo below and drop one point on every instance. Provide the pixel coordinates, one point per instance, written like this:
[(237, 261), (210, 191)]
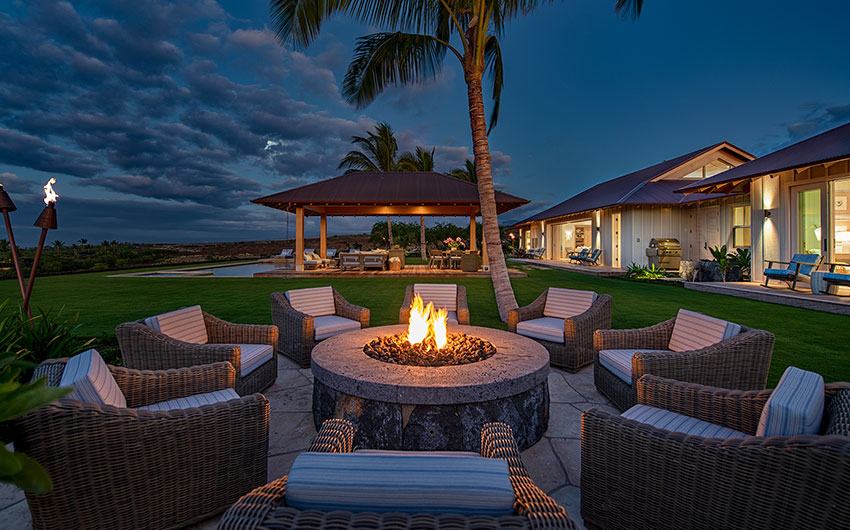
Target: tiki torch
[(6, 206), (45, 221)]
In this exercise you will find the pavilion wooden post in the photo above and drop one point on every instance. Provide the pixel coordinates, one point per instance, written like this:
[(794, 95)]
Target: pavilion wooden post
[(323, 237), (485, 261), (472, 237), (299, 238)]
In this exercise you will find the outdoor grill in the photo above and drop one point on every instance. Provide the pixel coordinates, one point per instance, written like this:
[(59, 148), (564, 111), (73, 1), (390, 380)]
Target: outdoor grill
[(664, 252)]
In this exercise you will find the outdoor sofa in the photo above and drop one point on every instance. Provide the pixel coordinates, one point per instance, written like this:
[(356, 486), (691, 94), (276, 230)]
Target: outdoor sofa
[(117, 466), (448, 296), (267, 507), (191, 337), (691, 347), (636, 475), (800, 267), (563, 321), (305, 317)]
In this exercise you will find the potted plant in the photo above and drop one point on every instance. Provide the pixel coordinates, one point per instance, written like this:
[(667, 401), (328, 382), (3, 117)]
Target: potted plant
[(454, 244)]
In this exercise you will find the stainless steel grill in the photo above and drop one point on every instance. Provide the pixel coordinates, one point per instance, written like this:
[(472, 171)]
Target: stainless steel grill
[(665, 253)]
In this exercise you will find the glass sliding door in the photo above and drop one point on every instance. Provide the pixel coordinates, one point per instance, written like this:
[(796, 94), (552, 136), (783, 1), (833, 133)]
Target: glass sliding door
[(839, 216), (809, 225)]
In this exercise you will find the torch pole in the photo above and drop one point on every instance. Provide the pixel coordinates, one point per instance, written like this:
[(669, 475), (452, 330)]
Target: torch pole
[(31, 281), (15, 260)]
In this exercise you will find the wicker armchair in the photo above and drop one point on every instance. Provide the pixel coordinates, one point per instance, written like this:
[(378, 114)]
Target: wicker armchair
[(577, 350), (741, 362), (635, 476), (144, 348), (296, 332), (462, 305), (116, 468), (266, 506)]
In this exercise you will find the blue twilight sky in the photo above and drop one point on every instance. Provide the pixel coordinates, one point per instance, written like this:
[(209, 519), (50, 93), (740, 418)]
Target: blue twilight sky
[(162, 119)]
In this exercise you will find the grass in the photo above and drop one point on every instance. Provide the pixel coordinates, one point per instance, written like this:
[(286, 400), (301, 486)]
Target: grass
[(808, 339)]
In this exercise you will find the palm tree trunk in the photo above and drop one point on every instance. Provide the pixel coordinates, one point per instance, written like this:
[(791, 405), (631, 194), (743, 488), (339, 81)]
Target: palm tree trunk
[(422, 236), (390, 231), (505, 299)]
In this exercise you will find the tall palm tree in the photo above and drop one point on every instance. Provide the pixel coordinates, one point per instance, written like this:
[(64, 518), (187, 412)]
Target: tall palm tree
[(467, 172), (416, 38), (378, 152), (422, 160)]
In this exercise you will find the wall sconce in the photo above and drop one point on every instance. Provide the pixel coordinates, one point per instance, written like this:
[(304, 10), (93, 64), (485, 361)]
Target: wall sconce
[(766, 213)]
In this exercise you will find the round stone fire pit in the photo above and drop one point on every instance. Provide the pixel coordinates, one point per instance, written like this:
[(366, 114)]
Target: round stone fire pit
[(398, 406)]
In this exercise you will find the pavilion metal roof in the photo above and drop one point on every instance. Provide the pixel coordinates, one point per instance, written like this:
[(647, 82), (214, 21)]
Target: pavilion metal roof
[(388, 193), (637, 188), (822, 148)]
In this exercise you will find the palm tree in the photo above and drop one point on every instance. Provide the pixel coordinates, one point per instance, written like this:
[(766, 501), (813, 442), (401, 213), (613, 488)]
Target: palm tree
[(416, 38), (467, 172), (378, 152), (422, 160)]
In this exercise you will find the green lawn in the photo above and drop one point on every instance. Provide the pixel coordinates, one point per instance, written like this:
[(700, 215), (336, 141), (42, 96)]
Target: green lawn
[(808, 339)]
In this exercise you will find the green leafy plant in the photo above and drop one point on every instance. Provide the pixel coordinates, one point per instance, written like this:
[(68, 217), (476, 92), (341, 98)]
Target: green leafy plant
[(721, 256), (49, 334), (742, 259), (634, 270), (642, 272)]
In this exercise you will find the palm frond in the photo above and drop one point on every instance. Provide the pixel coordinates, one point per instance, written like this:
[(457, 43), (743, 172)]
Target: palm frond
[(357, 161), (466, 173), (629, 8), (297, 22), (390, 59), (493, 64)]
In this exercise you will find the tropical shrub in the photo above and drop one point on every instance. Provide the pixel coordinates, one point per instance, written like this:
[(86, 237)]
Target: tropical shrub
[(49, 334), (721, 256)]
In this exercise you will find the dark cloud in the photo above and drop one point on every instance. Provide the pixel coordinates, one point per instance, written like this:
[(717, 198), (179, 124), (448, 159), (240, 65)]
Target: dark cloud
[(819, 118), (19, 149)]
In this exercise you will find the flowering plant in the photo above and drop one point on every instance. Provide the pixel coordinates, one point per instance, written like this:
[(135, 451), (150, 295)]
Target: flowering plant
[(454, 244)]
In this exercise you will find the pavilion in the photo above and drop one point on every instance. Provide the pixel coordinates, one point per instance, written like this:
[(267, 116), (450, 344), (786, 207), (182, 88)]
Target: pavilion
[(365, 193)]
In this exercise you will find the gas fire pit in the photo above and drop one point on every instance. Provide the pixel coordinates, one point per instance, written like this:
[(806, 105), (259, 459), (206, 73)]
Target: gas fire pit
[(417, 396)]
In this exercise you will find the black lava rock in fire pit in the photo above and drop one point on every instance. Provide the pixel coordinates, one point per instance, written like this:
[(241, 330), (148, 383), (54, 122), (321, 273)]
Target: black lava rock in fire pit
[(460, 349)]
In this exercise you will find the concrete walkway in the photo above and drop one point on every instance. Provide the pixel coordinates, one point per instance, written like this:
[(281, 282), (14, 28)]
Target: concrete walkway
[(593, 270), (553, 462)]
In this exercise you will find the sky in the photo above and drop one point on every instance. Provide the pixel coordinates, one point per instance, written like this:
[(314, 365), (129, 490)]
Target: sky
[(161, 120)]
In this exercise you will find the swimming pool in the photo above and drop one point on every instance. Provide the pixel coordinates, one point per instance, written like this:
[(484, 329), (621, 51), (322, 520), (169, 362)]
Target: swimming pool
[(243, 270)]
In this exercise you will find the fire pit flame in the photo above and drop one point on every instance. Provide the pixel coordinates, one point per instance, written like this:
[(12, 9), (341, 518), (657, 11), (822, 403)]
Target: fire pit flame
[(425, 322)]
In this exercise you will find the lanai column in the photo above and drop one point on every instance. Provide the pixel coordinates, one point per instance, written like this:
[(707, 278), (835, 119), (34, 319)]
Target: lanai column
[(323, 237), (472, 235), (485, 260), (299, 238)]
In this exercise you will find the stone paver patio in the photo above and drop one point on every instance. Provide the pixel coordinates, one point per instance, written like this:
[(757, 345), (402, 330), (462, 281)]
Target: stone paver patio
[(553, 462)]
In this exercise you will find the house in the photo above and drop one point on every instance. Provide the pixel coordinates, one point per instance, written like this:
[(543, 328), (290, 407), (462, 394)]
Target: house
[(798, 196), (621, 215)]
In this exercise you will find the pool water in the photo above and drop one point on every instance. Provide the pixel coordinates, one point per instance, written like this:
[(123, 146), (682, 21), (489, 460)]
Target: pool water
[(228, 271)]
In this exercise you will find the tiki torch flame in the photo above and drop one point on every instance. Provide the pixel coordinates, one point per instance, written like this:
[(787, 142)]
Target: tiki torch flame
[(49, 194)]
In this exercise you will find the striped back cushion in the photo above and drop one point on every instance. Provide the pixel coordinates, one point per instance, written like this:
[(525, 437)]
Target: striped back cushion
[(567, 303), (443, 295), (695, 331), (315, 301), (795, 406), (185, 324), (92, 380), (414, 483)]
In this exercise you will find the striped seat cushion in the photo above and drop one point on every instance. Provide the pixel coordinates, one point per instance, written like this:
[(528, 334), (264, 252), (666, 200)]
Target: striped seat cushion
[(695, 331), (254, 356), (186, 324), (567, 303), (92, 381), (315, 301), (838, 414), (408, 483), (442, 295), (329, 325), (779, 273), (836, 277), (675, 422), (619, 362), (795, 406), (197, 400), (544, 328)]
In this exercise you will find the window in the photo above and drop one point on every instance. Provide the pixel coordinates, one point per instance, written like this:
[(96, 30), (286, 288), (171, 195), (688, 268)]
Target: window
[(741, 226)]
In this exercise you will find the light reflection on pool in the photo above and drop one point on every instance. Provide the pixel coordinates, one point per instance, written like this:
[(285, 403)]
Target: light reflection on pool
[(227, 271)]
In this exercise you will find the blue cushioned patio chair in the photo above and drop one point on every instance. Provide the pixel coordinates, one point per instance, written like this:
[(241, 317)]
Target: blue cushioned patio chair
[(801, 266), (593, 258), (836, 278), (578, 256)]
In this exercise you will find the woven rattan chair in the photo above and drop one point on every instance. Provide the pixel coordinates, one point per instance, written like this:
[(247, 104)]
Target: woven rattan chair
[(296, 331), (266, 506), (577, 350), (119, 468), (462, 307), (638, 477), (144, 348), (741, 362)]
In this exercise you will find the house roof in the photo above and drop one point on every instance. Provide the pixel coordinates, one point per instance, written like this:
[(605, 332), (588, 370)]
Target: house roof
[(389, 193), (825, 147), (642, 187)]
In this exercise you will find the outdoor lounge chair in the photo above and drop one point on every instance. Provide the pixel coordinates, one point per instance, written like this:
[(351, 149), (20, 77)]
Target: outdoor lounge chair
[(448, 296), (563, 321), (800, 267), (577, 257), (830, 282), (121, 467), (635, 475), (268, 506), (350, 260), (285, 253), (191, 337), (375, 260), (691, 347), (308, 316), (592, 258)]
